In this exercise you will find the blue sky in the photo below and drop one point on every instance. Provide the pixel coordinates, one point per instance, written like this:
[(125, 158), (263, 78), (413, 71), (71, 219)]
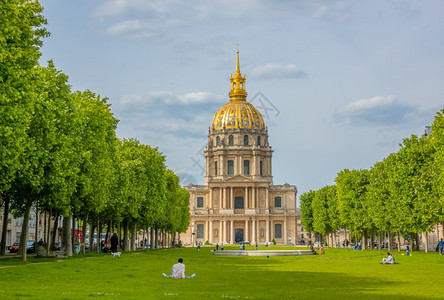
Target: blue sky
[(339, 83)]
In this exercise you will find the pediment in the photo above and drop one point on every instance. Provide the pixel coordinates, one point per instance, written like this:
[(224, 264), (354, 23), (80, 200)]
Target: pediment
[(239, 178)]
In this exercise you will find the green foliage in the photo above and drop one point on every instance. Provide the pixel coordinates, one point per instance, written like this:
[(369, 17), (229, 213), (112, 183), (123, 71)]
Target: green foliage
[(306, 200), (21, 34), (351, 187)]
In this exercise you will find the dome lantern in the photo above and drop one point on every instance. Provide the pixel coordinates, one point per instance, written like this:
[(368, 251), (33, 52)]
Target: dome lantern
[(237, 91), (238, 113)]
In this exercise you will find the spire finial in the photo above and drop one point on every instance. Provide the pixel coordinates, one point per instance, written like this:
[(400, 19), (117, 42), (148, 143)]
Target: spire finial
[(237, 62), (237, 91)]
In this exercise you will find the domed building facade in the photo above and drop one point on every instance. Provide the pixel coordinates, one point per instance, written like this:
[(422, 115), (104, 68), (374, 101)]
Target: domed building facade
[(238, 201)]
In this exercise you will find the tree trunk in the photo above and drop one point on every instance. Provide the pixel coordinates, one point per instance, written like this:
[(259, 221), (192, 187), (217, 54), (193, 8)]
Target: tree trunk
[(73, 235), (372, 240), (85, 220), (143, 239), (156, 237), (6, 200), (44, 229), (151, 238), (99, 234), (426, 248), (364, 240), (389, 241), (54, 231), (125, 237), (66, 247), (36, 240), (48, 232), (120, 235), (133, 237), (399, 241), (91, 235), (24, 234), (416, 242)]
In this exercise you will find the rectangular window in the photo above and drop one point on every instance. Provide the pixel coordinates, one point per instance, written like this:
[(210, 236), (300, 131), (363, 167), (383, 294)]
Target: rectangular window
[(277, 231), (200, 231), (277, 202), (260, 168), (199, 201), (246, 167), (215, 168), (230, 167), (238, 202)]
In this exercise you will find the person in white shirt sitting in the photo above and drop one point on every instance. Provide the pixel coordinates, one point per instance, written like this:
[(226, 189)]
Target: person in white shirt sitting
[(178, 271), (388, 260)]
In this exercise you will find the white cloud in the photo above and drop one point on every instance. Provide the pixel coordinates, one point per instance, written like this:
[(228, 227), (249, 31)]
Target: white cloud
[(383, 110), (122, 7), (147, 19), (159, 112), (277, 71)]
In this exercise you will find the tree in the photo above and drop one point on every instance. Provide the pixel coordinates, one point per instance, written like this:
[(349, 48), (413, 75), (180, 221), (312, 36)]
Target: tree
[(418, 207), (307, 210), (97, 152), (381, 197), (47, 170), (436, 140), (21, 34), (321, 220), (353, 208)]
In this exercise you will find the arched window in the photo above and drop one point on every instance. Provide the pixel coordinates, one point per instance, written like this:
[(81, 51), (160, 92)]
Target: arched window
[(230, 140), (217, 141), (258, 140), (245, 140)]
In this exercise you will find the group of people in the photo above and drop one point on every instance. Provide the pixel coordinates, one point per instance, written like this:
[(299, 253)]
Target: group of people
[(114, 244), (221, 246)]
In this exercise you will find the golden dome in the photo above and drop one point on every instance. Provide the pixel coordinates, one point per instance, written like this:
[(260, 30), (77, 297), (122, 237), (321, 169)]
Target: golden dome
[(238, 113)]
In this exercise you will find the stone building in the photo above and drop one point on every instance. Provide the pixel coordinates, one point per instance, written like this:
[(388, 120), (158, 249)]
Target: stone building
[(238, 201)]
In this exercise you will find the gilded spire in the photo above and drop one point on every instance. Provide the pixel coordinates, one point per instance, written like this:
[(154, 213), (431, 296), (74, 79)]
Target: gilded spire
[(237, 63), (237, 91)]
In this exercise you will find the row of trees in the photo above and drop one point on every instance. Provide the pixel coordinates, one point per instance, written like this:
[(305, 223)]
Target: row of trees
[(59, 152), (401, 195)]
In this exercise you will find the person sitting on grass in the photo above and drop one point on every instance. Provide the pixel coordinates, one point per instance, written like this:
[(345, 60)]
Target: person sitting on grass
[(178, 271), (388, 260)]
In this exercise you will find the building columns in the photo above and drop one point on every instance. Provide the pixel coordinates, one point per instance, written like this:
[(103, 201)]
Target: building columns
[(247, 233), (267, 231), (206, 233), (224, 232), (285, 231), (231, 232), (210, 238), (253, 231)]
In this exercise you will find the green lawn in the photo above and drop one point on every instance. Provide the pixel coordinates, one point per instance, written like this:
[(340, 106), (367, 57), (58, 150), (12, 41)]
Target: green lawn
[(340, 274)]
